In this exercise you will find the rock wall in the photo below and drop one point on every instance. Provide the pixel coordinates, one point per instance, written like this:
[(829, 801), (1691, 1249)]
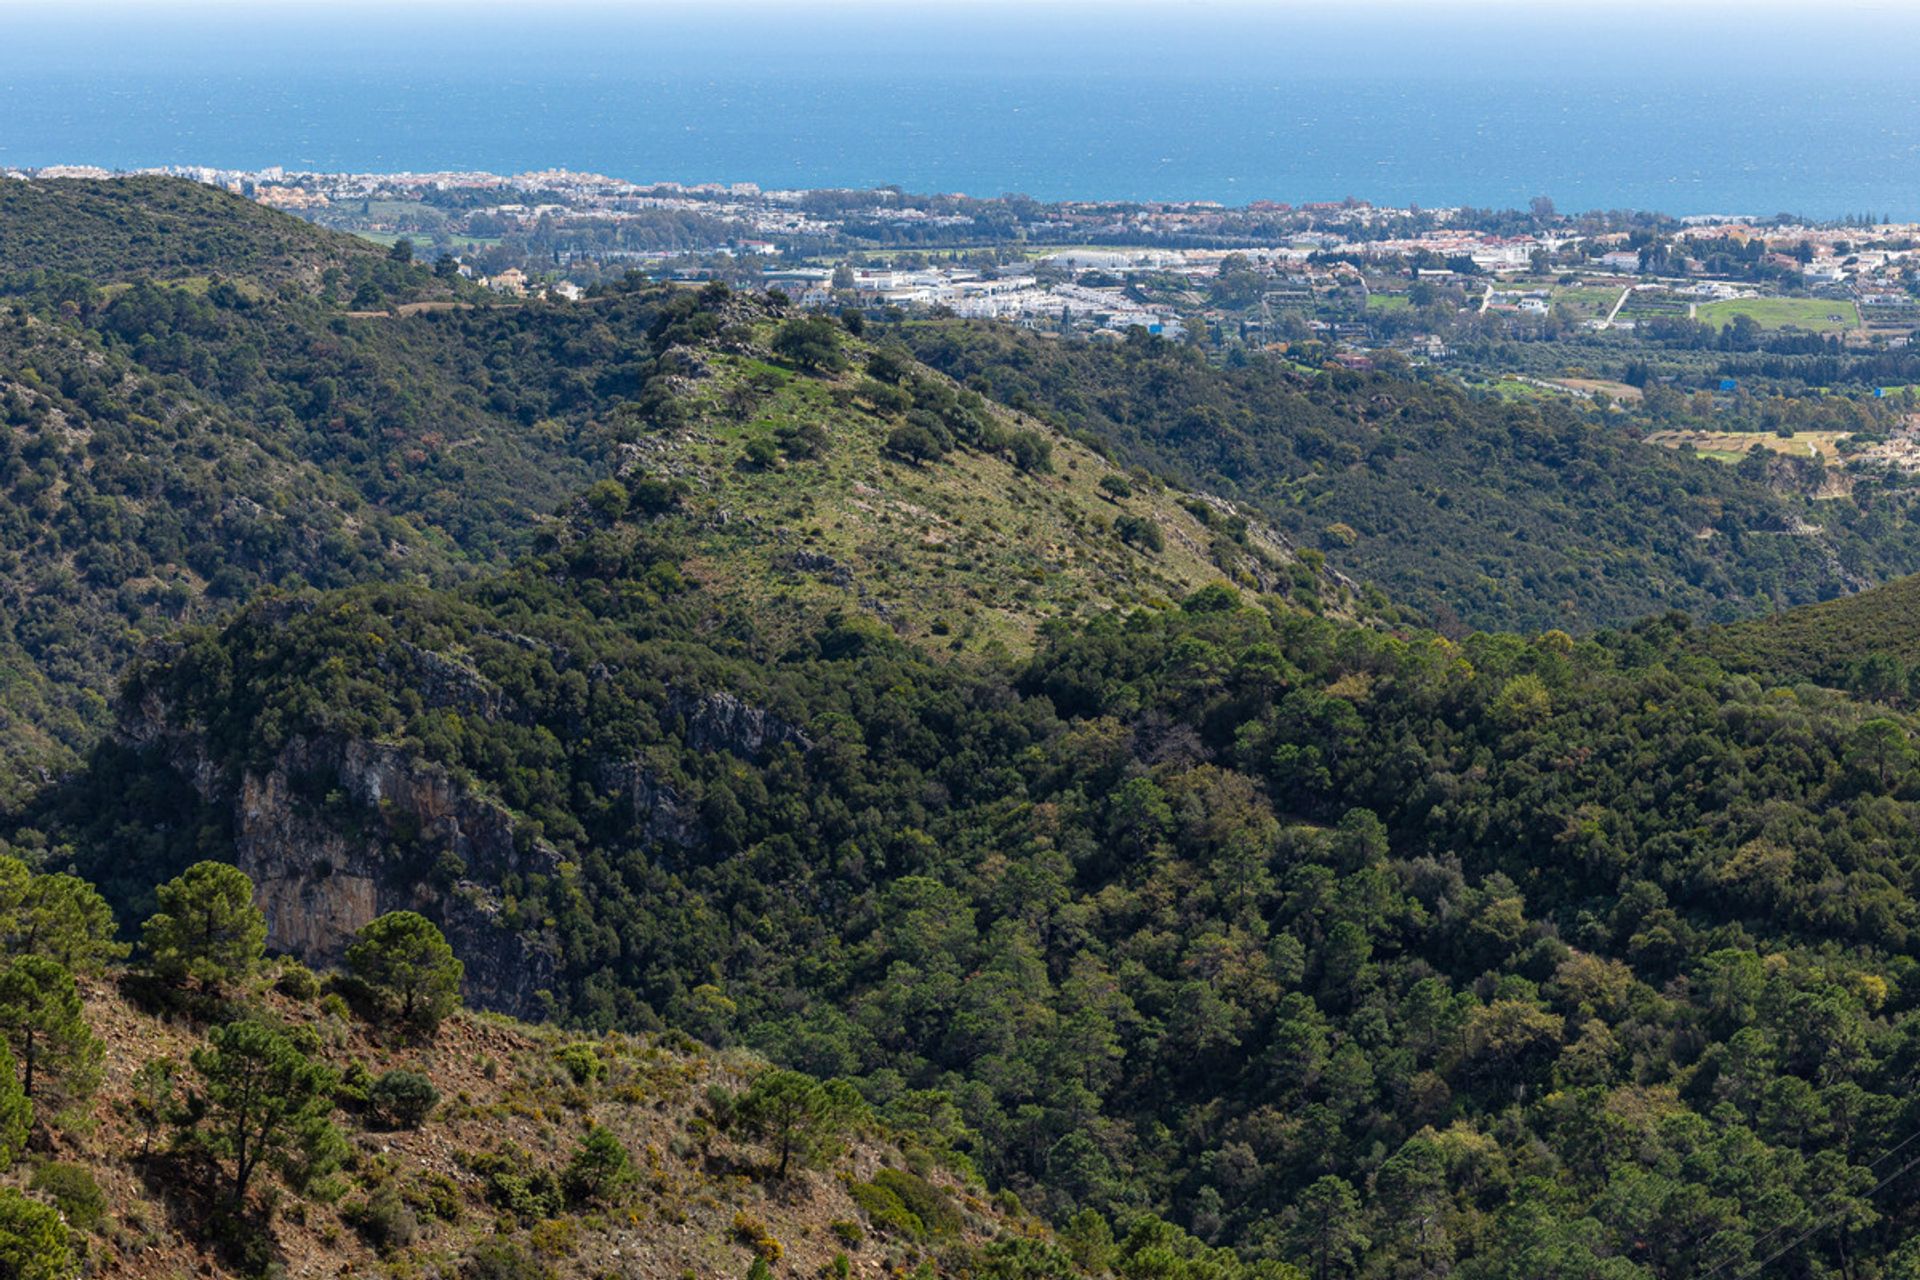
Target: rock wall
[(336, 831), (401, 836)]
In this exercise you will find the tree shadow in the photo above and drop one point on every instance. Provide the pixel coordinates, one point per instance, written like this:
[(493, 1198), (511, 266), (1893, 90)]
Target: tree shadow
[(198, 1209), (163, 999)]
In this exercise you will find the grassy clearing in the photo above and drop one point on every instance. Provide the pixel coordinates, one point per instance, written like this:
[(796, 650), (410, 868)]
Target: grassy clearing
[(966, 554), (1388, 302), (1606, 386), (1514, 389), (1731, 446), (1817, 315)]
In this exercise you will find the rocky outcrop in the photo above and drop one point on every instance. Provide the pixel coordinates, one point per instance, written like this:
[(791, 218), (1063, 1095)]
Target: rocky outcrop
[(337, 832), (657, 808), (822, 566), (444, 682), (720, 721)]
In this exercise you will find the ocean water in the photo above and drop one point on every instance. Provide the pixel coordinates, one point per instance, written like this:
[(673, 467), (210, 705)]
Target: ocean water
[(1751, 111)]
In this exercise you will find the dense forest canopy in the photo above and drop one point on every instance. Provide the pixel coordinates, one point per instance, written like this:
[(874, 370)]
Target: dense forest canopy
[(1513, 956)]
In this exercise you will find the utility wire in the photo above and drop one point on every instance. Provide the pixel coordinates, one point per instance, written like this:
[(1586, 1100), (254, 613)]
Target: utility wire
[(1828, 1219), (1774, 1231)]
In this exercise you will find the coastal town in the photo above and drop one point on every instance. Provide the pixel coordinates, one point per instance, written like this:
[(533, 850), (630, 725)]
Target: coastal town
[(1353, 276)]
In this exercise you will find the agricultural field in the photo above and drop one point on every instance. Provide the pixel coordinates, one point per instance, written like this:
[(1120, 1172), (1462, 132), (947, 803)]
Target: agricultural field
[(1516, 390), (1648, 304), (1388, 302), (1599, 386), (1587, 301), (1817, 315), (1731, 446)]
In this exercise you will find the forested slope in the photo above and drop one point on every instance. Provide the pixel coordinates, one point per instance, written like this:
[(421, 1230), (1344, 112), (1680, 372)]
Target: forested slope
[(130, 503), (169, 450), (207, 1111), (164, 228), (1360, 950), (1869, 643), (1480, 513)]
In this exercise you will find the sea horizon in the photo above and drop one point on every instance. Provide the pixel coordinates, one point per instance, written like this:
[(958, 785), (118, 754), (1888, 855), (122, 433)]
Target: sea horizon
[(1234, 106)]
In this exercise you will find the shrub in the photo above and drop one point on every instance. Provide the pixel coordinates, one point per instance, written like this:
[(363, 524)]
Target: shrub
[(435, 1195), (34, 1243), (582, 1062), (847, 1233), (811, 342), (402, 1099), (600, 1168), (930, 1204), (554, 1238), (16, 1110), (802, 440), (1141, 532), (355, 1085), (761, 453), (71, 1187), (296, 981), (383, 1220), (1032, 452), (753, 1233), (514, 1184), (501, 1260), (884, 1209)]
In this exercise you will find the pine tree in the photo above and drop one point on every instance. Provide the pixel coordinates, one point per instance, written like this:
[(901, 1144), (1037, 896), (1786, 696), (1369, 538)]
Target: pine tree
[(407, 963), (34, 1243), (265, 1101), (207, 928), (44, 1022), (16, 1111)]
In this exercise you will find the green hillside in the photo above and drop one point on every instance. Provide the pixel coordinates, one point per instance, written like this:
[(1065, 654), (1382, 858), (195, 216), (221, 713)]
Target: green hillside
[(1868, 642), (162, 228), (1137, 897), (131, 503), (170, 450), (1477, 512), (803, 491), (1349, 949)]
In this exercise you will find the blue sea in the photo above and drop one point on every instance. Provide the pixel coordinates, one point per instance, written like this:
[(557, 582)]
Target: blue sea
[(1717, 110)]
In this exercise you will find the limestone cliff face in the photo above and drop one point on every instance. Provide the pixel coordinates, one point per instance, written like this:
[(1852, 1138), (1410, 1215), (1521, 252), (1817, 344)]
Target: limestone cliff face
[(336, 831), (395, 833)]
